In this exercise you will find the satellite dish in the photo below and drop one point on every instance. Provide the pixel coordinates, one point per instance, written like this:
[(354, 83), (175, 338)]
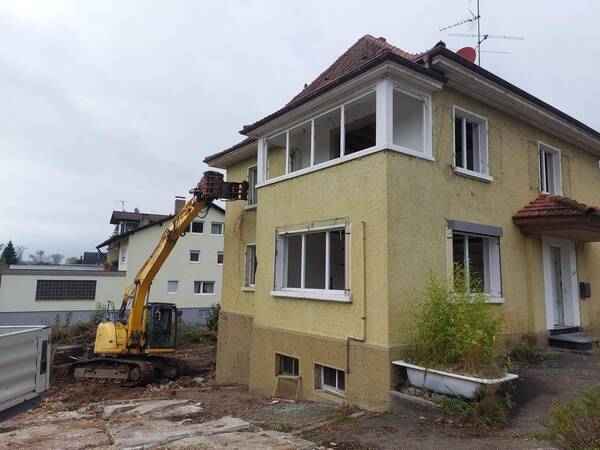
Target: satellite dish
[(467, 53)]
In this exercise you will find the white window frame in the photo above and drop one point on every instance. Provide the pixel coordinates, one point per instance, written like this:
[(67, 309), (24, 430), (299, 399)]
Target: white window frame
[(281, 264), (222, 254), (384, 130), (177, 284), (483, 171), (326, 387), (196, 232), (247, 284), (190, 256), (543, 151), (492, 264), (252, 199), (222, 228), (202, 287)]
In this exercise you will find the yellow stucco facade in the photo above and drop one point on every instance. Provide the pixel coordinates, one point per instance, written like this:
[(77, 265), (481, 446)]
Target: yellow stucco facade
[(398, 207)]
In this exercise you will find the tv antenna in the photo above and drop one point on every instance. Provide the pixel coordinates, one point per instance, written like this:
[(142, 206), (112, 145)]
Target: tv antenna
[(122, 202), (476, 19)]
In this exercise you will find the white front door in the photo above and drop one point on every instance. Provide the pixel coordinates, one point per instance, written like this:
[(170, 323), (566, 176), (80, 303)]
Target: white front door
[(560, 283)]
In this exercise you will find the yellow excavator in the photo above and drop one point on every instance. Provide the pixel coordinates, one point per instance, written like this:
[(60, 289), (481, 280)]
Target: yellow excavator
[(130, 349)]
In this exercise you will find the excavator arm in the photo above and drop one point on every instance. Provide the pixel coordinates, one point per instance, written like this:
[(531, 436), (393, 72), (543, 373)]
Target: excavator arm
[(211, 187)]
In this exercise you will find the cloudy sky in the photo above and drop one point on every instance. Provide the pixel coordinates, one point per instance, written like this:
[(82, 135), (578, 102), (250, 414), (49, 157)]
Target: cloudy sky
[(103, 101)]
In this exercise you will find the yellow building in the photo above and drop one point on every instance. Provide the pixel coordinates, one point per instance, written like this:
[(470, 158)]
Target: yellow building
[(388, 167)]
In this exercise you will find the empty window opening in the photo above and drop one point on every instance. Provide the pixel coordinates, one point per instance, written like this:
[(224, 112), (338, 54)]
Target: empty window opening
[(327, 136), (252, 180), (470, 143), (251, 263), (204, 287), (219, 257), (194, 256), (408, 121), (65, 290), (330, 379), (287, 365), (299, 149), (172, 286), (479, 257), (314, 260), (359, 124), (216, 228), (549, 161), (276, 148), (197, 227)]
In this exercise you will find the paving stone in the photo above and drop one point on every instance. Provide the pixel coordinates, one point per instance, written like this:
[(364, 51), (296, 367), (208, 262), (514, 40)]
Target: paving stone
[(148, 434), (267, 440), (54, 436), (112, 410)]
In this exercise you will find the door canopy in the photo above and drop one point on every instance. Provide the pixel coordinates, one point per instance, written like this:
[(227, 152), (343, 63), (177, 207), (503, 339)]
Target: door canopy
[(561, 217)]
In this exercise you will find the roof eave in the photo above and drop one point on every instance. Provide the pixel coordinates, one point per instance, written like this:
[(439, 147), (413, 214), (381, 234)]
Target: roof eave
[(484, 86)]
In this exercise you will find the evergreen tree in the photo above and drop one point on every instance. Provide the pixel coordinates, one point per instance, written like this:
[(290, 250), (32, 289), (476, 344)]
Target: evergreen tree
[(9, 254)]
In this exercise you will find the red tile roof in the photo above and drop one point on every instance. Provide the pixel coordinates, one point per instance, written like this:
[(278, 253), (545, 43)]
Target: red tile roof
[(362, 52), (547, 205)]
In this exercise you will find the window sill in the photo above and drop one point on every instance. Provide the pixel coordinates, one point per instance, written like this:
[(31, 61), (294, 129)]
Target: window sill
[(248, 289), (250, 207), (216, 235), (330, 394), (494, 300), (204, 293), (313, 295), (472, 174)]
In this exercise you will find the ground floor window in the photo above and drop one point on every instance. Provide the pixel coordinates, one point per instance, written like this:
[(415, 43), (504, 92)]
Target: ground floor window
[(287, 365), (479, 256), (204, 287), (312, 260), (331, 379)]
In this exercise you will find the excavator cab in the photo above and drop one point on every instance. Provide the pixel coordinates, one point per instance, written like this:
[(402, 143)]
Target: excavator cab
[(161, 325)]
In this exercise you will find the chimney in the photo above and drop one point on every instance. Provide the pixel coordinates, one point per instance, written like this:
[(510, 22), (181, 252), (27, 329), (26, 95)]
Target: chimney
[(179, 202)]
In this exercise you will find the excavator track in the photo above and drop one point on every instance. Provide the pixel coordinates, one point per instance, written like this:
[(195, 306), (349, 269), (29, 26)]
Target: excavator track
[(125, 372)]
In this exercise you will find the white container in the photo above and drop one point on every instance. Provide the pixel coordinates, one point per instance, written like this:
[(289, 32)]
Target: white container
[(448, 383), (24, 367)]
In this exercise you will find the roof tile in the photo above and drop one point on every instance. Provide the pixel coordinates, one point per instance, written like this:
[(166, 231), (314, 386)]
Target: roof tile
[(548, 205)]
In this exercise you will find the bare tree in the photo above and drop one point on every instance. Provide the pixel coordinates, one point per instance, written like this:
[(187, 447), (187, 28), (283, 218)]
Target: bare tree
[(56, 258), (38, 257), (20, 252)]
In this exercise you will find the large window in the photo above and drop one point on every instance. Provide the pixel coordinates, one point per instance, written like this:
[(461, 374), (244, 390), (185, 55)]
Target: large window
[(550, 173), (204, 287), (479, 257), (409, 121), (65, 290), (312, 261), (252, 180), (359, 124), (251, 263), (470, 143)]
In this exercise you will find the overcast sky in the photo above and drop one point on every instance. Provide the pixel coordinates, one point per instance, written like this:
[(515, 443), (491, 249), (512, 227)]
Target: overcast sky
[(122, 100)]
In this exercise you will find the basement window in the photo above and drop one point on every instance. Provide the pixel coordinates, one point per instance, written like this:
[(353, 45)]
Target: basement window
[(204, 287), (330, 379), (251, 263), (470, 144), (479, 256), (550, 173), (312, 264), (287, 365)]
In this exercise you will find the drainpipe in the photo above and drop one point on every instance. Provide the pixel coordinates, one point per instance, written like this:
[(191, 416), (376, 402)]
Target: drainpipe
[(363, 317)]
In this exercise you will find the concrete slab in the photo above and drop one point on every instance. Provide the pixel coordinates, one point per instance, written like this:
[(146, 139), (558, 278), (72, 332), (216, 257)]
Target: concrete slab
[(148, 434), (262, 440), (54, 436)]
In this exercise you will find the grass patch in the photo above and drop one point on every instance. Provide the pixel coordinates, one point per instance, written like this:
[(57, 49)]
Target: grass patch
[(526, 354), (492, 409), (575, 425)]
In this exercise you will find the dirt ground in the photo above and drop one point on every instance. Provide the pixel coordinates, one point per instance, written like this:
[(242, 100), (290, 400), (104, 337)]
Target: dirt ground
[(559, 377)]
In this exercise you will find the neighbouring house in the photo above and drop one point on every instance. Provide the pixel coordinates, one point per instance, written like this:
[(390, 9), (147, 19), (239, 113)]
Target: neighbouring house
[(190, 278), (390, 166)]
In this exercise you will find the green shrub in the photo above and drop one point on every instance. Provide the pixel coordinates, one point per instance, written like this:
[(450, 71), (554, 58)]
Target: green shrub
[(575, 425), (194, 334), (454, 328), (526, 354), (212, 319), (490, 409), (99, 313)]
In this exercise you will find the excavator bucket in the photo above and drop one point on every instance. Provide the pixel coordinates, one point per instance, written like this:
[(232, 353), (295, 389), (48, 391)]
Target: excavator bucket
[(213, 186)]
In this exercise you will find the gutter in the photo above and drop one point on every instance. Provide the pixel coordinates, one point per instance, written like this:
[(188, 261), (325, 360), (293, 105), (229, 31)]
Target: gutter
[(363, 317)]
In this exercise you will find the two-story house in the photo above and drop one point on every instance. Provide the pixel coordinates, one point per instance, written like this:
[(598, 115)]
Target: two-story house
[(390, 166)]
